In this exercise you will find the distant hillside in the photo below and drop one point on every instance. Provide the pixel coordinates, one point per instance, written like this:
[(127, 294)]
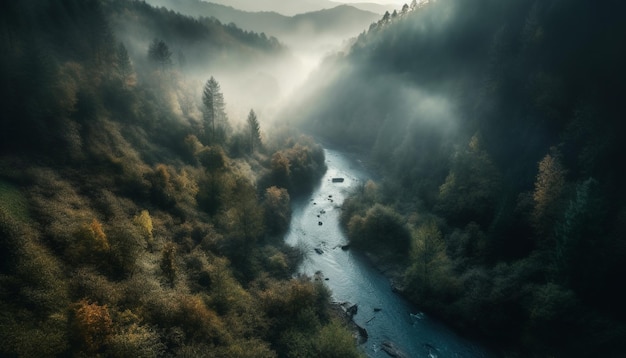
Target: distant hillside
[(375, 8), (206, 40), (252, 65), (340, 21), (288, 8), (295, 7)]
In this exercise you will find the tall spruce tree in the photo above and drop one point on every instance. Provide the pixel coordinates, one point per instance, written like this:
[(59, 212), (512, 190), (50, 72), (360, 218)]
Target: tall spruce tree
[(123, 64), (214, 114), (254, 129)]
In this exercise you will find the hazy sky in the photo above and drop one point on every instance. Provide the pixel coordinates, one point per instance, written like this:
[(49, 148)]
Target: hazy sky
[(384, 2)]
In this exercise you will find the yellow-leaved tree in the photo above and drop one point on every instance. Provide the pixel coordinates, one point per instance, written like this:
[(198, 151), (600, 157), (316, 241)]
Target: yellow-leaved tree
[(547, 197)]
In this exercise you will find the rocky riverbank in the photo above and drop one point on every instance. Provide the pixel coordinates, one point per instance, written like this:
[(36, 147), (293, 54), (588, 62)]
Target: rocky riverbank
[(390, 269)]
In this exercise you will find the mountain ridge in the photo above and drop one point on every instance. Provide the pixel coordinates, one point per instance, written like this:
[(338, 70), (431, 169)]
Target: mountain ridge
[(342, 20), (292, 8)]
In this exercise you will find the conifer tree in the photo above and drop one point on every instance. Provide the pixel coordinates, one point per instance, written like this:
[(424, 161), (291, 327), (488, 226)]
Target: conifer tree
[(214, 114), (123, 65), (255, 131), (160, 54)]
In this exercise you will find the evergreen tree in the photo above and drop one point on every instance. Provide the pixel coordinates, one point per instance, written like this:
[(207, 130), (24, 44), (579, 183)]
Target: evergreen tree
[(386, 18), (160, 54), (254, 128), (123, 64), (214, 114)]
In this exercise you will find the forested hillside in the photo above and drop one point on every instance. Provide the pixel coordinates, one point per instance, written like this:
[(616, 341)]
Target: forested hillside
[(497, 127), (310, 31), (136, 218)]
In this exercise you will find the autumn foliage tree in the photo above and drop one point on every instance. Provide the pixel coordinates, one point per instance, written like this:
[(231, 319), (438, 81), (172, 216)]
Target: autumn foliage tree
[(549, 185), (93, 326)]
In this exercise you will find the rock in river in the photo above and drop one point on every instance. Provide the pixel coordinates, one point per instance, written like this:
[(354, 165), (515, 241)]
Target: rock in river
[(392, 350)]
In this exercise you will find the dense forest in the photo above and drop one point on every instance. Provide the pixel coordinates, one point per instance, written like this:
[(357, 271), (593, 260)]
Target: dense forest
[(496, 127), (142, 214), (137, 219)]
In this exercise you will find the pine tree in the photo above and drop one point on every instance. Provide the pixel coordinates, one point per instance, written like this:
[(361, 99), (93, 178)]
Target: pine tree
[(386, 18), (123, 65), (214, 114), (160, 54), (254, 128)]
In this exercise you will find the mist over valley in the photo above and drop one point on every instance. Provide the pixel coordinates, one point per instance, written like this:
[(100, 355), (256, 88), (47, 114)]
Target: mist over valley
[(190, 178)]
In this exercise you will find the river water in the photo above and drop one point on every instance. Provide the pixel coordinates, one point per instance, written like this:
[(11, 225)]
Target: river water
[(386, 316)]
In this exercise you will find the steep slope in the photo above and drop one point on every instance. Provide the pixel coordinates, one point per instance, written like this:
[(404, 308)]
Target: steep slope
[(128, 227), (497, 135)]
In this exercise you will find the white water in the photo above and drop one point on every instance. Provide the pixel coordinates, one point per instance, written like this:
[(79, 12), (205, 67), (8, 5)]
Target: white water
[(385, 315)]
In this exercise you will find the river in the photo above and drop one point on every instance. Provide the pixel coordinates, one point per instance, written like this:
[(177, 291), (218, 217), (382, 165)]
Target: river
[(386, 316)]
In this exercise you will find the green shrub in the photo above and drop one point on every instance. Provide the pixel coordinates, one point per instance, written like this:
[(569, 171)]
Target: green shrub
[(13, 201), (380, 227), (277, 209), (26, 335)]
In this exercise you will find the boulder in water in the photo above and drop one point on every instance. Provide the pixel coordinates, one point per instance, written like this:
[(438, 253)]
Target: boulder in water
[(392, 350), (352, 310)]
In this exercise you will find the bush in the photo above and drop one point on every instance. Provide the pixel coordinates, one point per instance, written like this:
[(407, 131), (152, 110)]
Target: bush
[(144, 223), (27, 335), (297, 167), (277, 209), (168, 265), (137, 341), (381, 227), (13, 202)]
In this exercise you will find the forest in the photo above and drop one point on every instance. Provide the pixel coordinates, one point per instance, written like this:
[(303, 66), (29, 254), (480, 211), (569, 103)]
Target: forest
[(137, 218), (149, 163), (496, 128)]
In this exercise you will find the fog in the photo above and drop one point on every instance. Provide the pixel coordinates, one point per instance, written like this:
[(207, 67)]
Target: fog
[(265, 79), (291, 8), (494, 130)]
